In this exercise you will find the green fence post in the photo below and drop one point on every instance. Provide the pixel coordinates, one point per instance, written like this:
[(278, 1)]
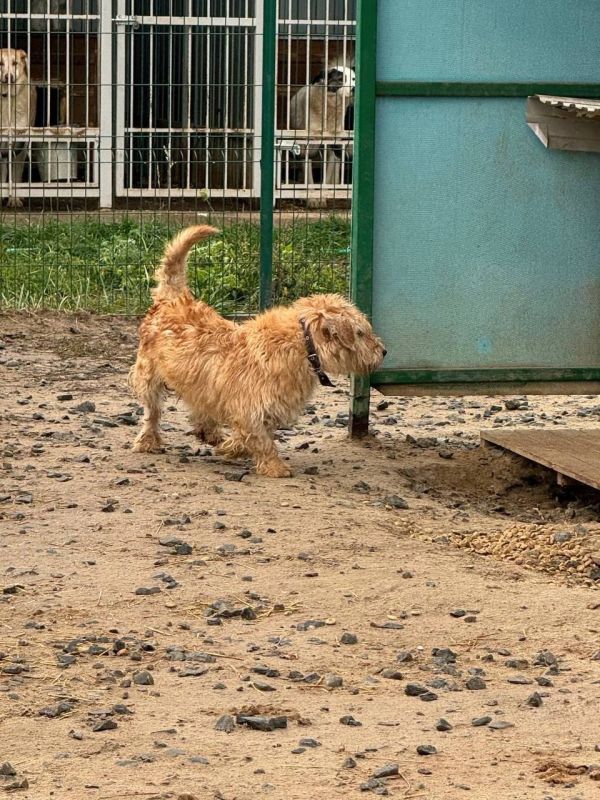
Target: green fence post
[(363, 194), (267, 152)]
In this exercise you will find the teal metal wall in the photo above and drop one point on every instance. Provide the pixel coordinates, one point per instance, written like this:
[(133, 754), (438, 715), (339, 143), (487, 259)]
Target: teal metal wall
[(488, 40), (486, 246), (476, 250)]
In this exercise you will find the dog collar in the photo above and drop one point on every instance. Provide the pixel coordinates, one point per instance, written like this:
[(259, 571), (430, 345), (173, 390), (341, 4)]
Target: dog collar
[(313, 358)]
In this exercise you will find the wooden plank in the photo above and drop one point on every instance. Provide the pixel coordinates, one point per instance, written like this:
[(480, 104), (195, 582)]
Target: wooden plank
[(573, 454)]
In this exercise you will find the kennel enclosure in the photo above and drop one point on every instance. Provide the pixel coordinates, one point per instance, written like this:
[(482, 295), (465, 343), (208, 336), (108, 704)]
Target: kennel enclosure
[(163, 98)]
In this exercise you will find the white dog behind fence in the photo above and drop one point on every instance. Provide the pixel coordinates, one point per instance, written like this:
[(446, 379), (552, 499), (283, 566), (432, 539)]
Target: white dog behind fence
[(17, 116), (320, 111)]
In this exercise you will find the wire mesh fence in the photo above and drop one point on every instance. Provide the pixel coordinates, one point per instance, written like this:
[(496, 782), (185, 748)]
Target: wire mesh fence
[(122, 121)]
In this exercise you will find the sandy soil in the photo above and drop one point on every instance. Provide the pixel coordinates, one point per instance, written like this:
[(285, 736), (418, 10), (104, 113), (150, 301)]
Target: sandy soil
[(269, 594)]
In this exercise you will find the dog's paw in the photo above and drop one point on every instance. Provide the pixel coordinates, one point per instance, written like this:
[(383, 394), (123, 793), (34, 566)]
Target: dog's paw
[(148, 444), (274, 469), (231, 448)]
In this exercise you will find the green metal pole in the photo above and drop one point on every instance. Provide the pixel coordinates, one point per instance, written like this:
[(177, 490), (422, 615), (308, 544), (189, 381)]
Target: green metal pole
[(267, 152), (363, 195)]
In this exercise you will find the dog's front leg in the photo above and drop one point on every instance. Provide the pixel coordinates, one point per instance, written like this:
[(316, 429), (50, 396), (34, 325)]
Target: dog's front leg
[(18, 166), (262, 448), (332, 171)]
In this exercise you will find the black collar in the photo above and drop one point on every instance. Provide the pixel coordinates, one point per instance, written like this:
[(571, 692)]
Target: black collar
[(313, 358)]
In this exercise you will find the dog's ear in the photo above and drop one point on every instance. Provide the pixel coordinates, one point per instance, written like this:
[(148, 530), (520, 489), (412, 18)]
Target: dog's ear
[(335, 327), (344, 332), (320, 78), (22, 56)]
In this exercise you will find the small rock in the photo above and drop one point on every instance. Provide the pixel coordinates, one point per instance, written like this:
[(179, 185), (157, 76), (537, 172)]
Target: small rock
[(415, 689), (225, 723), (545, 659), (394, 501), (331, 681), (386, 771), (443, 725), (534, 700), (348, 719), (474, 683), (426, 750), (309, 743), (500, 725), (261, 722), (392, 674), (7, 769), (104, 725), (143, 678), (349, 638), (143, 590), (520, 680), (349, 763), (479, 722)]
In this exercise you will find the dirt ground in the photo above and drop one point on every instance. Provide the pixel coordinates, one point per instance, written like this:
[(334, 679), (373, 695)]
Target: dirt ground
[(145, 598)]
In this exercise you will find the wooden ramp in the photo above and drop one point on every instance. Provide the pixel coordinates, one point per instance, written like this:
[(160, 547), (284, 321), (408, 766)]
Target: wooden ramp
[(574, 455)]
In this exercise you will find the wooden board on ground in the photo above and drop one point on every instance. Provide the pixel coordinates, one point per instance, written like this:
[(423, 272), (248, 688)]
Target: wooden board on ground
[(573, 455)]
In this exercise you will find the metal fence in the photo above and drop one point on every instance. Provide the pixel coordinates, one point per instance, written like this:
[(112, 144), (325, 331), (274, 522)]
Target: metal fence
[(121, 121)]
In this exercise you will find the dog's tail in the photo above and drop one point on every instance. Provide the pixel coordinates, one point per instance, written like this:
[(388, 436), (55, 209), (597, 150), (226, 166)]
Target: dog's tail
[(171, 277)]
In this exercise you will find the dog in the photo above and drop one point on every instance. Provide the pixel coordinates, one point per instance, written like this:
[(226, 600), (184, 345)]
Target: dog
[(253, 377), (17, 114), (320, 109)]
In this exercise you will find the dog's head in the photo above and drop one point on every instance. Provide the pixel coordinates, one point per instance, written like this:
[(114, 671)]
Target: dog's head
[(343, 336), (336, 79), (13, 66)]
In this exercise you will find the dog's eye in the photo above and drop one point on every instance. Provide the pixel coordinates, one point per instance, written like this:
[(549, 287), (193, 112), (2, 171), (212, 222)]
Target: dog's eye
[(361, 334)]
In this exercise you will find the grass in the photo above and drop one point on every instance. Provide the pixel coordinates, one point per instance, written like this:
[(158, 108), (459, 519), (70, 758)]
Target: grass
[(108, 267)]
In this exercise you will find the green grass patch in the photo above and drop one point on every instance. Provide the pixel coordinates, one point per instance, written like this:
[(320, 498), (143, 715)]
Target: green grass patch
[(108, 267)]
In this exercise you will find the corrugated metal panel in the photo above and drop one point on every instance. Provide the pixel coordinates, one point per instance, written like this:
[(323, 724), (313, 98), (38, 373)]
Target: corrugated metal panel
[(574, 105)]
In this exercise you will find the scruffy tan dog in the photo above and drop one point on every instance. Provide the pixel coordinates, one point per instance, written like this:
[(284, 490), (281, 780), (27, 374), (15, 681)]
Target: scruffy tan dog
[(254, 377)]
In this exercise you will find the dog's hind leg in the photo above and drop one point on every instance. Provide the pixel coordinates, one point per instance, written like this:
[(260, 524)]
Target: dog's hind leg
[(206, 429), (149, 388)]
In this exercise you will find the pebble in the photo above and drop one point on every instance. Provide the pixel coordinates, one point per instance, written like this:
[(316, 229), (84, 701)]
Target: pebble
[(143, 678), (349, 763), (521, 680), (534, 700), (348, 719), (225, 723), (261, 722), (479, 722), (392, 674), (500, 725), (104, 725), (331, 681), (426, 750), (386, 771), (415, 689), (309, 743), (349, 638), (394, 501), (443, 725), (475, 683)]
